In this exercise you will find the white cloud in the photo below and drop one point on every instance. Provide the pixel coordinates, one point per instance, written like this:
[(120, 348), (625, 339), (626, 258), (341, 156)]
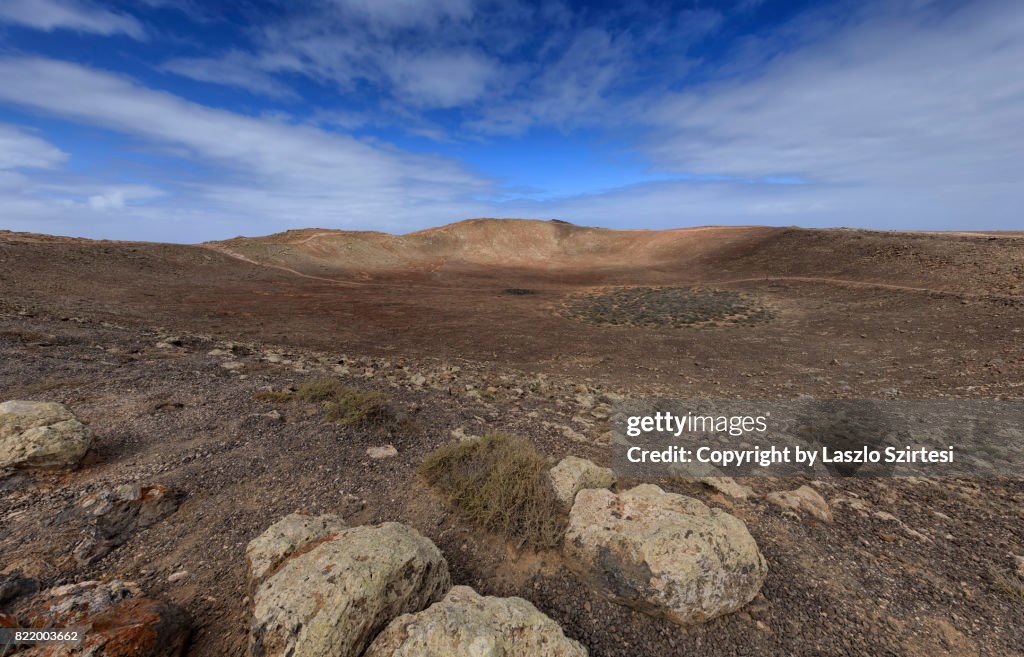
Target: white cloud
[(235, 69), (445, 79), (50, 15), (19, 149), (894, 100), (265, 172), (406, 13)]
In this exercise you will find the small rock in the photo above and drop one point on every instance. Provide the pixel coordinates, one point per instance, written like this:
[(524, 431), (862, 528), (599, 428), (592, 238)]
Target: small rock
[(804, 499), (232, 365), (178, 576), (573, 474), (381, 452), (1020, 564), (728, 486)]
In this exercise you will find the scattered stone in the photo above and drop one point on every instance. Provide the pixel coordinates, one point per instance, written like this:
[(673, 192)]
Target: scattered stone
[(467, 624), (41, 435), (285, 537), (332, 600), (115, 514), (1020, 564), (663, 554), (218, 352), (728, 486), (232, 365), (178, 576), (114, 619), (274, 415), (381, 452), (460, 435), (804, 499), (573, 474)]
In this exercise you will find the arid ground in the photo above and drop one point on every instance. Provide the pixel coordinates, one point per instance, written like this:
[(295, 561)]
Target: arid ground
[(527, 328)]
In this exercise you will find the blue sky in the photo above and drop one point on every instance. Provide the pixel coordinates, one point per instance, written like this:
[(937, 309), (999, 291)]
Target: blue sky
[(189, 120)]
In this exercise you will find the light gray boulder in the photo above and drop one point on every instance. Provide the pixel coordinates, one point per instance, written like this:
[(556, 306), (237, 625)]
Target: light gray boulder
[(41, 435), (332, 600), (663, 554), (467, 624), (572, 474)]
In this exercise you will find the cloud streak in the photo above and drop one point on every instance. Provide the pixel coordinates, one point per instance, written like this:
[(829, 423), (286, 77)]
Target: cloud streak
[(50, 15)]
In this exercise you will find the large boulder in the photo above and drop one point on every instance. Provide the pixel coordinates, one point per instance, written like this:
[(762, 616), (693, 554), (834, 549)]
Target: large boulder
[(663, 554), (467, 624), (332, 600), (286, 537), (113, 618), (573, 474), (41, 435)]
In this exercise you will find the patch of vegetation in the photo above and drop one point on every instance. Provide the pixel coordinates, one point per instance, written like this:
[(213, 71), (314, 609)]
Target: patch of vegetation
[(347, 406), (25, 336), (274, 396), (320, 390), (500, 484), (519, 291), (352, 407), (1010, 586), (673, 307)]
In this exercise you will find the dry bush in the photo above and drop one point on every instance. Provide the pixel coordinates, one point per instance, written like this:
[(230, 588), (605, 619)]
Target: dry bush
[(500, 484), (1009, 586), (319, 390), (352, 407)]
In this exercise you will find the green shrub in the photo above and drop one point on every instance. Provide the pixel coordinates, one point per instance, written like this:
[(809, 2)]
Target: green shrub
[(500, 484)]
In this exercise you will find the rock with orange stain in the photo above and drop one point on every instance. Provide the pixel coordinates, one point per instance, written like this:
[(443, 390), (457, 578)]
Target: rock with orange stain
[(114, 619)]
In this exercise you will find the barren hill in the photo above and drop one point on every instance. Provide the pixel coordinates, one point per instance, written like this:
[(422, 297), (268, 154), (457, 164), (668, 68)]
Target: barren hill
[(968, 262)]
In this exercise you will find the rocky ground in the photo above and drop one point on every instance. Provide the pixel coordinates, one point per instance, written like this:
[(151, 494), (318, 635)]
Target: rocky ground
[(194, 468)]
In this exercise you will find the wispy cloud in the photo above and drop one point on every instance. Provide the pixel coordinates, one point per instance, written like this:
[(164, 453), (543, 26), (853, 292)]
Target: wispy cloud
[(235, 69), (79, 16), (264, 170), (20, 149)]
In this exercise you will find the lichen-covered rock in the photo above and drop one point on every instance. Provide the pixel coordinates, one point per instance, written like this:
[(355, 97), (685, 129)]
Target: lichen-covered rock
[(663, 554), (332, 600), (41, 435), (805, 499), (114, 619), (573, 474), (115, 514), (286, 537), (728, 486), (467, 624)]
